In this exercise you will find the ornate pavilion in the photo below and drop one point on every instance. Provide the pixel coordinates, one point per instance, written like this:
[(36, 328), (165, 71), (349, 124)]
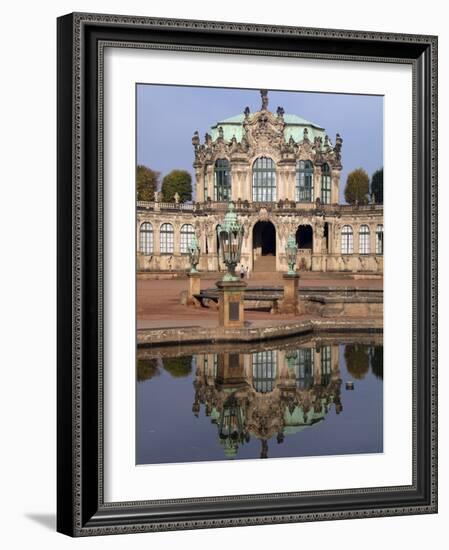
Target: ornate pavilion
[(283, 174)]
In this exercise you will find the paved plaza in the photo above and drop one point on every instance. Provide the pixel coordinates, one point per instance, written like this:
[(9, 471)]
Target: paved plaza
[(159, 300)]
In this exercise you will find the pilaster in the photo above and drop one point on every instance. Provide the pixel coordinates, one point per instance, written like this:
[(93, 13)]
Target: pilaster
[(335, 185), (316, 182), (156, 239)]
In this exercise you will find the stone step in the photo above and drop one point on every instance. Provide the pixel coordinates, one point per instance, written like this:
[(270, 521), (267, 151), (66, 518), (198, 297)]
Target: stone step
[(265, 264)]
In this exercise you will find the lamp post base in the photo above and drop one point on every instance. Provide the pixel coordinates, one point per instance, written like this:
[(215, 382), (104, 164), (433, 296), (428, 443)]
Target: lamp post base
[(194, 289), (231, 312), (290, 301)]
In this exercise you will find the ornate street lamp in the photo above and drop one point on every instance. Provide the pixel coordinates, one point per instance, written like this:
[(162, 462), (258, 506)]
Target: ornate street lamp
[(230, 236), (194, 254), (291, 252)]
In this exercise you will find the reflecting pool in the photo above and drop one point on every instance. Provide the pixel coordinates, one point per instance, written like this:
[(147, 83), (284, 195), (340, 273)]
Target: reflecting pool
[(296, 397)]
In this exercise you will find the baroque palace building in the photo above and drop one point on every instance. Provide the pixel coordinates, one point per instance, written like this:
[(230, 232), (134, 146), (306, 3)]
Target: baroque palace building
[(283, 174)]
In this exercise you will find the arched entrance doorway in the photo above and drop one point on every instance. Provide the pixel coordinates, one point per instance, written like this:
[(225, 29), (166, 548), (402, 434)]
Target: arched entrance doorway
[(304, 240), (264, 246)]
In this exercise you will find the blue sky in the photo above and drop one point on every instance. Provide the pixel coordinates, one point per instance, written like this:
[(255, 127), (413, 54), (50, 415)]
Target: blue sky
[(167, 116)]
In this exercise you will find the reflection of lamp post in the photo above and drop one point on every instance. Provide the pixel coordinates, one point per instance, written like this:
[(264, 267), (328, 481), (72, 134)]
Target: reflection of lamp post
[(231, 287), (231, 427), (290, 304), (193, 274), (230, 236)]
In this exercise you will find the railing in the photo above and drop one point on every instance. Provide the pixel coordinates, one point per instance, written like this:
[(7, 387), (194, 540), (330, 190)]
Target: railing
[(246, 206), (165, 205)]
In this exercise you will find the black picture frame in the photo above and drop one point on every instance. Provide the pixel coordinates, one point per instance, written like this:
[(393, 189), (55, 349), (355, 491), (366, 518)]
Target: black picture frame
[(81, 510)]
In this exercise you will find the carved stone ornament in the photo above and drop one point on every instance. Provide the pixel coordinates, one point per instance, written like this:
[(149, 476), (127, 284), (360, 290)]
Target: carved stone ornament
[(263, 215)]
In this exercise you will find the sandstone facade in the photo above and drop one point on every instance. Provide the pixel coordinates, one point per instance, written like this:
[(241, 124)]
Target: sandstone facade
[(283, 174)]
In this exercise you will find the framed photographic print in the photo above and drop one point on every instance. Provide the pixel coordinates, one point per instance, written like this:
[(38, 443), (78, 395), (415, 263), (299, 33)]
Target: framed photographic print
[(247, 288)]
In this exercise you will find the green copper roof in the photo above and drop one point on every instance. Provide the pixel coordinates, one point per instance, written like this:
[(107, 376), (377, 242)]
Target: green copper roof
[(296, 418), (233, 126)]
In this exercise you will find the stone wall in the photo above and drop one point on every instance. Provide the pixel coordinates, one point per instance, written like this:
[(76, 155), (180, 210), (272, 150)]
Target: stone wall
[(326, 223)]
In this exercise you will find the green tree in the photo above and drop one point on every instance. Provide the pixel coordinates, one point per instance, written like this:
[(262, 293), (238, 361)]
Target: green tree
[(147, 369), (357, 360), (377, 361), (357, 187), (177, 181), (178, 367), (146, 182), (377, 186)]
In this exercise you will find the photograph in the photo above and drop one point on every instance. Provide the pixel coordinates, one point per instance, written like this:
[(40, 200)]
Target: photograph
[(238, 344), (259, 273)]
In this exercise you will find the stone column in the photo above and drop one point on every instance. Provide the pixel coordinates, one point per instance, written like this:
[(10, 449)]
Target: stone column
[(317, 182), (316, 367), (335, 366), (138, 224), (248, 363), (156, 239), (286, 179), (248, 184), (290, 302), (209, 181), (199, 179), (176, 239), (318, 233), (239, 189), (231, 312), (335, 184), (355, 259), (355, 234), (194, 289), (292, 185), (235, 182), (372, 229), (337, 242)]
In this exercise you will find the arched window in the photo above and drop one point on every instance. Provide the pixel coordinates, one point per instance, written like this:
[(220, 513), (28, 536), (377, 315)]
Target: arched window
[(187, 233), (167, 238), (364, 244), (264, 180), (304, 181), (146, 238), (347, 240), (304, 368), (325, 184), (222, 187), (264, 370), (326, 369), (380, 239)]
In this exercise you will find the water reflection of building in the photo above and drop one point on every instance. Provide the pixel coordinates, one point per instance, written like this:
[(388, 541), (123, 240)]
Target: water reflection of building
[(267, 394)]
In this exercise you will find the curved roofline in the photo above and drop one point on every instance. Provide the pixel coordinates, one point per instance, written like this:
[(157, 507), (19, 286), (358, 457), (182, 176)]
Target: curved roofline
[(289, 119)]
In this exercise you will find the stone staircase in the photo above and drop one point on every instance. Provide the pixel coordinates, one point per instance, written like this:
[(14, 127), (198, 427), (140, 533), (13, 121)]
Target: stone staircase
[(264, 269), (265, 264)]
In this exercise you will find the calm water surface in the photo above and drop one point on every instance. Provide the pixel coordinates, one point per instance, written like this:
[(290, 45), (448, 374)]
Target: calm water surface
[(289, 398)]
